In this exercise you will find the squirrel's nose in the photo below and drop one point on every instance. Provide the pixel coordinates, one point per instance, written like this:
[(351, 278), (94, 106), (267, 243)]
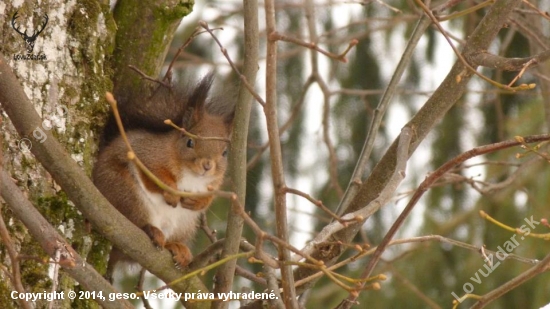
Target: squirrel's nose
[(207, 165)]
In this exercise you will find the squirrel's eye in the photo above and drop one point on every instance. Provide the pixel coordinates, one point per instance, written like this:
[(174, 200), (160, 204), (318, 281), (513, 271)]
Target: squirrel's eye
[(190, 143), (224, 153)]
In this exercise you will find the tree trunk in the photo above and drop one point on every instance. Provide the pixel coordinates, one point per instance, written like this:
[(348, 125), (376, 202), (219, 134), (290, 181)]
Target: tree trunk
[(82, 50)]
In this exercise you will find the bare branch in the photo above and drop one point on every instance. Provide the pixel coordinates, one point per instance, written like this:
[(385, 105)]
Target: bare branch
[(237, 163), (489, 60), (243, 78), (139, 288), (294, 113), (315, 202), (389, 92), (52, 242), (364, 213), (447, 94), (149, 78), (431, 179), (386, 194), (316, 76), (462, 57), (277, 171), (340, 57)]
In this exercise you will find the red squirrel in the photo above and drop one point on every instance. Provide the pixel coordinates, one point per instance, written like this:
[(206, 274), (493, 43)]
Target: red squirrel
[(182, 162)]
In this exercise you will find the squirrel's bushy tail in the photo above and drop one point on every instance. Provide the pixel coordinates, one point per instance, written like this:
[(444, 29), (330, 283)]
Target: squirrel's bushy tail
[(152, 104)]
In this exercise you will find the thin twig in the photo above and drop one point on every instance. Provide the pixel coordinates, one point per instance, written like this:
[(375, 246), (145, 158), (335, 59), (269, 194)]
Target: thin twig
[(532, 272), (196, 32), (414, 289), (140, 289), (340, 57), (243, 78), (247, 274), (211, 253), (418, 239), (132, 157), (201, 270), (315, 202), (273, 285), (484, 215), (316, 76), (211, 234), (462, 59), (15, 274), (432, 178), (293, 114), (492, 187), (536, 9), (261, 235), (464, 12), (237, 161), (446, 5), (149, 78), (195, 136)]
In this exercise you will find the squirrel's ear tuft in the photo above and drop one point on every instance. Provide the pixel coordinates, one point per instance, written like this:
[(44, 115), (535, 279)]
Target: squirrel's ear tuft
[(186, 121), (197, 101)]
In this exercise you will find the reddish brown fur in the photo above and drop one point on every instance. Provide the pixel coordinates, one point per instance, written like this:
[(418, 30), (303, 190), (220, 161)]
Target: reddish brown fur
[(169, 157)]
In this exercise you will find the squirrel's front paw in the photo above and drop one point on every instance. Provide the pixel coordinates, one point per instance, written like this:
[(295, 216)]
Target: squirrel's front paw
[(196, 204), (189, 203), (156, 235), (171, 199), (180, 252)]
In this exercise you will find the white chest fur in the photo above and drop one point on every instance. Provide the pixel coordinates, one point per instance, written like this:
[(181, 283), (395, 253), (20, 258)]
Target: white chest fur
[(190, 182), (170, 220), (174, 220)]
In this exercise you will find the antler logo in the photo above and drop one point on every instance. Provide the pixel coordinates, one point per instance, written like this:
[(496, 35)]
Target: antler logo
[(29, 40)]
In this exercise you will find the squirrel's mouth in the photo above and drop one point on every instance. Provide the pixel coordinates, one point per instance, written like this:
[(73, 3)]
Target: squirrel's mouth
[(202, 173)]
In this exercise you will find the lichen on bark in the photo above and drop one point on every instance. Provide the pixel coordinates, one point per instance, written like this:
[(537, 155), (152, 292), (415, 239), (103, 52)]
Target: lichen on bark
[(82, 63), (77, 41)]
